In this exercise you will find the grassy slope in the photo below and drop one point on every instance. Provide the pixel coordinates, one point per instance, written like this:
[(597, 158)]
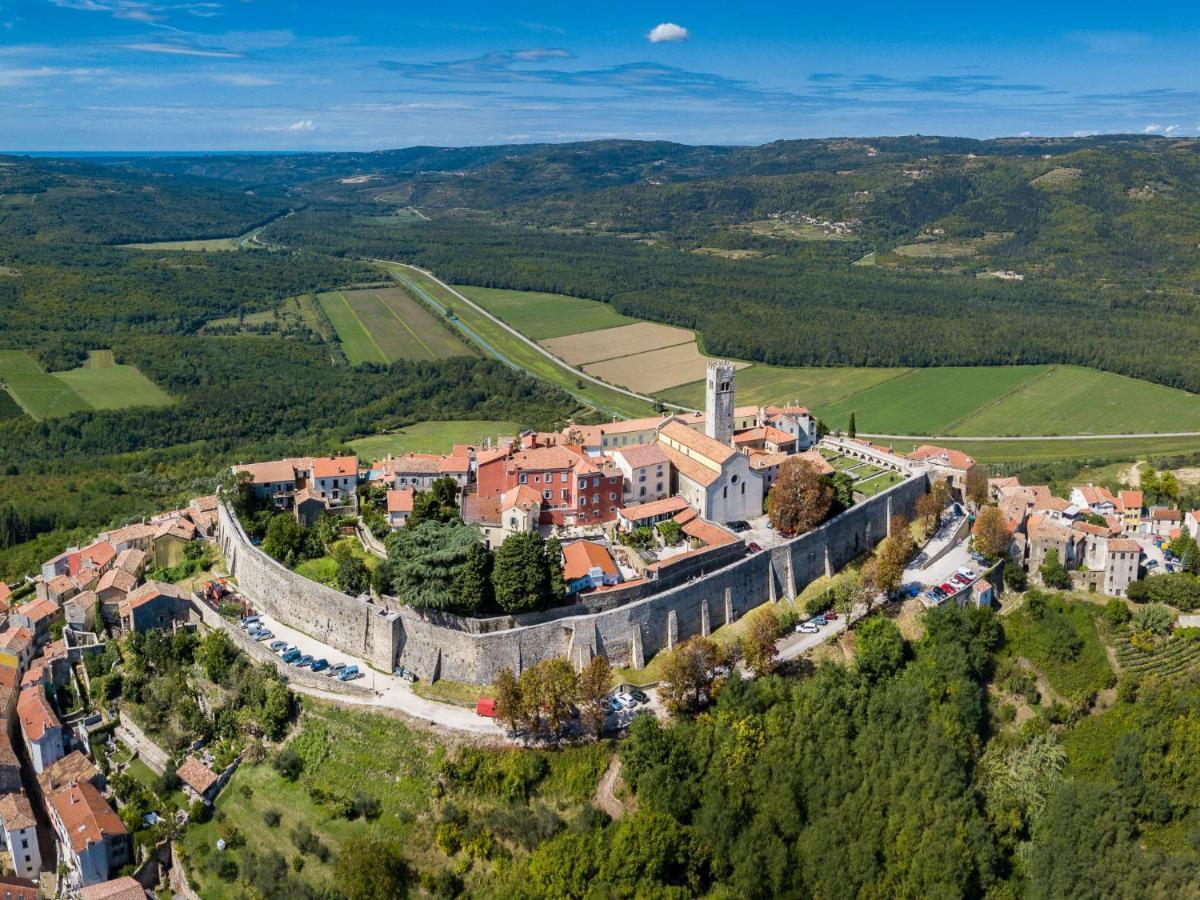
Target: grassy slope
[(41, 395), (1046, 451), (523, 356), (1073, 400), (926, 401), (541, 316), (115, 387), (430, 437), (812, 387), (1073, 679), (356, 341)]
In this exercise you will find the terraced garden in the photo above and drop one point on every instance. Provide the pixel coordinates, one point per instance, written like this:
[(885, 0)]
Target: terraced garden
[(1173, 658)]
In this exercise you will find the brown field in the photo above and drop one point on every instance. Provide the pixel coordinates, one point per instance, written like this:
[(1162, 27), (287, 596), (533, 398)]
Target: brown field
[(655, 370), (622, 341)]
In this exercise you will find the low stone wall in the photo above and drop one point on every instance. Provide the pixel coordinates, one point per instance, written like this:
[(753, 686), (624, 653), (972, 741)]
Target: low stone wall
[(129, 734), (257, 652), (438, 646)]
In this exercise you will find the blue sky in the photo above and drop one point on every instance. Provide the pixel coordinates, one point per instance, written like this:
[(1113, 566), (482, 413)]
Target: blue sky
[(268, 75)]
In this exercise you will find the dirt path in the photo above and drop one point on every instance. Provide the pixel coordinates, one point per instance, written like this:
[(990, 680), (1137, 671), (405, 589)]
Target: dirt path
[(606, 797)]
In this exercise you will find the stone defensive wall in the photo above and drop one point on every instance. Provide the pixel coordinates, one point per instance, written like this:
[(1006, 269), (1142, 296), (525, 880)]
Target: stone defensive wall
[(438, 645)]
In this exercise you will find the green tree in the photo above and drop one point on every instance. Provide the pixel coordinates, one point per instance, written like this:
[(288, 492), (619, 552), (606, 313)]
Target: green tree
[(521, 577), (594, 683), (352, 576), (510, 705), (548, 691), (991, 533), (372, 868), (438, 504), (473, 583), (1154, 618), (800, 499), (759, 642), (215, 654), (1015, 578), (554, 570), (424, 562), (852, 429), (1054, 573), (879, 648), (285, 537)]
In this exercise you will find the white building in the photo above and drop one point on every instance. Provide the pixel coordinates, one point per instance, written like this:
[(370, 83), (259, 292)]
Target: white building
[(713, 478), (93, 842), (20, 835), (647, 472), (334, 479), (40, 727)]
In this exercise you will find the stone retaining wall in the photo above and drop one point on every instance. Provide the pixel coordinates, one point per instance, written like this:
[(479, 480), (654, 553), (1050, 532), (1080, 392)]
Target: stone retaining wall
[(439, 646), (129, 734)]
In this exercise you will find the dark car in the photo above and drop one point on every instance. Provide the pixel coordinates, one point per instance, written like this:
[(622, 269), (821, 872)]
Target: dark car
[(639, 696), (739, 525), (754, 547)]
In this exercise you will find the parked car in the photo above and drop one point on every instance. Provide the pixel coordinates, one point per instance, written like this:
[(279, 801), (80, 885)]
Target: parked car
[(754, 547), (289, 648), (250, 620), (616, 704), (819, 621), (335, 670), (970, 573), (303, 661), (807, 628), (1151, 564), (640, 696), (276, 646), (738, 525), (348, 673), (263, 636), (949, 588), (830, 616), (961, 579), (319, 665), (627, 700), (291, 655)]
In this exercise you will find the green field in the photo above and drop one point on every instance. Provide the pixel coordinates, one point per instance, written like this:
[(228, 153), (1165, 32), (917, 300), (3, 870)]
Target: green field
[(356, 341), (926, 401), (430, 437), (99, 384), (541, 316), (387, 325), (41, 395), (1032, 451), (811, 387), (114, 387), (1073, 400), (495, 341)]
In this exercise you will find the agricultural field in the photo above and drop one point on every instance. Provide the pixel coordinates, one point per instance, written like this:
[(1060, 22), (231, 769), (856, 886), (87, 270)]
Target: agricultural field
[(1035, 451), (926, 401), (100, 384), (812, 387), (40, 394), (1176, 657), (114, 387), (430, 437), (1074, 400), (627, 340), (500, 344), (543, 316), (386, 325), (655, 370)]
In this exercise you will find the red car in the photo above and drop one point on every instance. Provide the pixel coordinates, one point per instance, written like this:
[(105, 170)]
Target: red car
[(830, 616), (754, 547), (950, 588)]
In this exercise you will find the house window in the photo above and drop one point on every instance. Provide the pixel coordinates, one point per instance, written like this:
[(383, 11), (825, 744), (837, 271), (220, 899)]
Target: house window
[(612, 495), (596, 498), (583, 501), (549, 477), (512, 523), (642, 477), (522, 478), (563, 477), (565, 493), (545, 495), (659, 487), (583, 484), (725, 492), (596, 482), (642, 493)]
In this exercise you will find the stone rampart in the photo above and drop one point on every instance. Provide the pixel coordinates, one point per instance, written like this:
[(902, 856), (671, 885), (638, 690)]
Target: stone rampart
[(438, 646), (345, 623)]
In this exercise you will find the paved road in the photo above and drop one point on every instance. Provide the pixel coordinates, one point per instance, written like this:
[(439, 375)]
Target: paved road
[(386, 691), (1032, 437), (578, 373), (796, 643)]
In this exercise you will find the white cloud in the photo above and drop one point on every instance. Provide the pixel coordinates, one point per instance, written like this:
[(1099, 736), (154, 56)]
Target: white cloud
[(182, 50), (235, 79), (1171, 129), (537, 53), (1152, 128), (667, 32), (300, 127), (1026, 134), (1081, 134), (16, 77)]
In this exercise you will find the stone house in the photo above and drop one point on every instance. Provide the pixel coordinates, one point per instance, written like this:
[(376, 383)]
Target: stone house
[(40, 727), (646, 471), (93, 842), (20, 835), (399, 506), (80, 612), (712, 477), (588, 565), (153, 605), (37, 617), (16, 648)]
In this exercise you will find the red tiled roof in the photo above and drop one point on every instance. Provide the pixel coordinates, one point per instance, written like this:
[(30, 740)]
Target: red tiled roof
[(86, 817), (149, 591), (581, 557), (458, 465), (272, 472), (125, 888), (639, 455), (1124, 545), (954, 458), (60, 584), (35, 713), (196, 775), (523, 496), (640, 511), (1130, 500), (765, 433), (478, 510), (710, 534), (697, 442), (16, 812), (1093, 495), (100, 554), (40, 610), (72, 767), (400, 501), (118, 578), (690, 468), (15, 640), (334, 466), (1163, 514)]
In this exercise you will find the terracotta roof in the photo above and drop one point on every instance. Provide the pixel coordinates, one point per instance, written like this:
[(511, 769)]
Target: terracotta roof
[(136, 531), (410, 464), (8, 756), (86, 817), (5, 592), (745, 410), (183, 529), (765, 433), (1093, 495), (72, 767), (821, 464), (60, 584), (40, 610), (980, 586), (487, 456), (710, 534), (14, 640), (400, 501), (152, 590), (118, 578), (1164, 514), (640, 455), (761, 459), (684, 516), (639, 511), (334, 466), (456, 464), (1054, 504), (272, 472), (100, 554), (787, 411), (85, 580), (1130, 499), (16, 812), (696, 471), (1088, 528), (196, 775), (581, 557), (478, 510), (697, 442), (545, 458), (954, 458), (125, 888), (1124, 545), (130, 560), (523, 496), (35, 713)]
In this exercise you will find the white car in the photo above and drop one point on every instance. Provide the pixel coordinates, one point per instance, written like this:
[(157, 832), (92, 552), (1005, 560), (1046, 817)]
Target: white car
[(627, 700), (807, 628)]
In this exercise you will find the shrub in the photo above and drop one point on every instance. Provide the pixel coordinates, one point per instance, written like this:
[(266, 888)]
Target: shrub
[(1154, 619), (1116, 613), (1015, 578), (288, 763), (271, 817), (226, 867)]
